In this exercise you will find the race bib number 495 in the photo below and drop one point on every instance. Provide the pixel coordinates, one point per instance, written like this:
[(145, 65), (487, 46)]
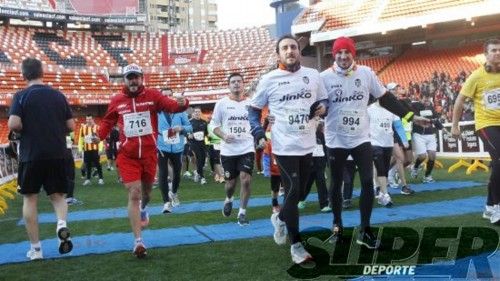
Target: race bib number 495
[(137, 124)]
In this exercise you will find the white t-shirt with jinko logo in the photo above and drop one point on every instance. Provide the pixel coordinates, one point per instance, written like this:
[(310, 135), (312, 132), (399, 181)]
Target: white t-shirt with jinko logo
[(347, 124), (289, 96), (232, 117)]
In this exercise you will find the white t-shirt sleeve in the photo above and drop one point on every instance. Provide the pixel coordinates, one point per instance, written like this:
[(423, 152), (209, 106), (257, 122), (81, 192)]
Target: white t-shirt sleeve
[(377, 89), (216, 116), (322, 93), (261, 96)]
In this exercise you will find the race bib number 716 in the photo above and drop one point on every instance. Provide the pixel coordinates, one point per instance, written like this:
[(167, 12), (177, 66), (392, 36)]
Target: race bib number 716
[(137, 124)]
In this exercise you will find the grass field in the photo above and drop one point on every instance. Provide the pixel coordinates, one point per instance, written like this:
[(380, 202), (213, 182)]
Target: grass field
[(253, 259)]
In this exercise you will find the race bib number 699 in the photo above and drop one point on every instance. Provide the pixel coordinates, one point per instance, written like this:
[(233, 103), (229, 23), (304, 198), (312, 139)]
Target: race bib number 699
[(492, 99)]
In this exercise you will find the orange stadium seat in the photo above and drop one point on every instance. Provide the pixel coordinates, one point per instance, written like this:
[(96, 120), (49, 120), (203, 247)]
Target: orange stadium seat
[(345, 14), (418, 64), (402, 8)]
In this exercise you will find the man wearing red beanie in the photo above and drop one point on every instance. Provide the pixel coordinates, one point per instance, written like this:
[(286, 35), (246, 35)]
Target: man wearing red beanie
[(347, 130), (344, 43)]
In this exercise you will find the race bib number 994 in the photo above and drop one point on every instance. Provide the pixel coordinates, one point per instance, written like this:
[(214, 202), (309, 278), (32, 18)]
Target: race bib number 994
[(350, 122), (137, 124)]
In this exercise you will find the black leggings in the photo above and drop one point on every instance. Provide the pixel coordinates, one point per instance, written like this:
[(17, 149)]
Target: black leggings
[(349, 172), (275, 183), (491, 139), (175, 159), (295, 172), (362, 156), (318, 175), (200, 152), (382, 160)]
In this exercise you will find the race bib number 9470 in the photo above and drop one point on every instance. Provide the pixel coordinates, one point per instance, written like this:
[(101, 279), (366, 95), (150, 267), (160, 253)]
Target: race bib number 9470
[(297, 120), (137, 124)]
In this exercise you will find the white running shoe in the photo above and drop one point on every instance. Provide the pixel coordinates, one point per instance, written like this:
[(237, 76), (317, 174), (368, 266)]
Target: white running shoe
[(167, 208), (384, 199), (187, 174), (495, 216), (428, 179), (86, 182), (414, 172), (140, 250), (488, 211), (299, 254), (387, 200), (196, 178), (174, 198), (100, 182), (32, 254), (280, 231), (203, 181)]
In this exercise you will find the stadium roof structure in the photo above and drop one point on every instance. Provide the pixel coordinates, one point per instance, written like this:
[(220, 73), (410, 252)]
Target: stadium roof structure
[(328, 20)]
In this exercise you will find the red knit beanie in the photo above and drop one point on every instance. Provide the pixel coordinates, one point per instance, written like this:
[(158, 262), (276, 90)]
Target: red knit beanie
[(344, 43)]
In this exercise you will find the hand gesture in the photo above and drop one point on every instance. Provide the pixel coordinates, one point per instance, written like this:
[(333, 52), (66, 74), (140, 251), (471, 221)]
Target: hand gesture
[(261, 143), (229, 138), (320, 110), (422, 121), (455, 132), (181, 100)]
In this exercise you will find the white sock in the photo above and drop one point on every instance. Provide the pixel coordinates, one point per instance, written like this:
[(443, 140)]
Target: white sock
[(36, 246), (137, 240), (229, 199), (61, 223), (242, 211)]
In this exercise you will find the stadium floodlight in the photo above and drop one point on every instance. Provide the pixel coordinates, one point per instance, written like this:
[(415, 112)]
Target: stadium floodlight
[(419, 43)]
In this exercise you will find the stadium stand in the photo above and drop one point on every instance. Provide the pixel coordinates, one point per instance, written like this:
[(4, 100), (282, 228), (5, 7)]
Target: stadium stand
[(398, 8), (376, 63), (338, 15), (418, 64), (74, 57)]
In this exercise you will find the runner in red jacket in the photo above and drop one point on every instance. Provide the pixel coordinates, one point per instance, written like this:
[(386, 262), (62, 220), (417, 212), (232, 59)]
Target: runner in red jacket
[(135, 110)]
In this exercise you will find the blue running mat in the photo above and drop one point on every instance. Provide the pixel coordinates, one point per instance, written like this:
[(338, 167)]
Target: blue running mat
[(101, 214), (167, 237)]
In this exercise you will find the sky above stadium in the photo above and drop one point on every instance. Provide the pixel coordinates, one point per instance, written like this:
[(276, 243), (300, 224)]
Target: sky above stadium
[(245, 13)]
